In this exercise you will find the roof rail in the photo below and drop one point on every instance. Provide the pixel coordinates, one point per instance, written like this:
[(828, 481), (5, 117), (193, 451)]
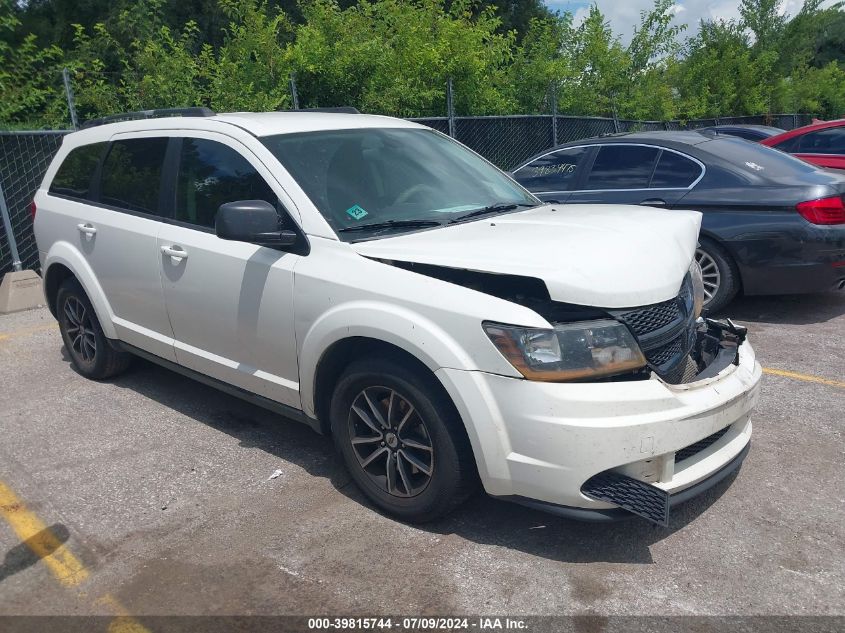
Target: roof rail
[(335, 109), (149, 114)]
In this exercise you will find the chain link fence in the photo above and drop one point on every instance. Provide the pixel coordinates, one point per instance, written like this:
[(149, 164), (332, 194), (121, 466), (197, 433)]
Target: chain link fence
[(24, 157), (505, 141)]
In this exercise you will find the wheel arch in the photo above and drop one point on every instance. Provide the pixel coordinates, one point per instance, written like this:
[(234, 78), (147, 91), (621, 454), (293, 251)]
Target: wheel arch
[(340, 354), (62, 263), (728, 249)]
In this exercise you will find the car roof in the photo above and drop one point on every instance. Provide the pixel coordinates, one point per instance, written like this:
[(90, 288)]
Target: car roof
[(745, 126), (271, 123), (679, 137), (256, 123)]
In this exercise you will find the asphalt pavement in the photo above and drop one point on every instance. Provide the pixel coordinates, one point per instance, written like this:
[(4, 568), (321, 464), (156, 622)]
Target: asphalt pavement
[(152, 494)]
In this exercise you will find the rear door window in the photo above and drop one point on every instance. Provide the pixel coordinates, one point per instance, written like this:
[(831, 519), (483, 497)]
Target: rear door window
[(674, 171), (553, 172), (622, 167), (211, 174), (131, 175), (829, 141), (75, 174)]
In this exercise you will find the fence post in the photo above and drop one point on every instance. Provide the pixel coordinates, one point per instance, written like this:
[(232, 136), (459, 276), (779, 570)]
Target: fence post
[(616, 127), (554, 113), (294, 95), (450, 107), (794, 121), (71, 104), (10, 236)]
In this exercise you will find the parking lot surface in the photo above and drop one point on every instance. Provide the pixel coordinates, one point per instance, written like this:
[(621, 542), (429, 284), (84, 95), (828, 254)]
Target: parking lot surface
[(152, 494)]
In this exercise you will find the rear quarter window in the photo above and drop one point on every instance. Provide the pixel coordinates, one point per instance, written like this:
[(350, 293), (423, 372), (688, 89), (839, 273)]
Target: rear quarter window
[(674, 171), (75, 174)]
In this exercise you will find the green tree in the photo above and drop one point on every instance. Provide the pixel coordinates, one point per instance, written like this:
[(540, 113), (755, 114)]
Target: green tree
[(543, 65), (30, 91), (395, 56), (252, 67)]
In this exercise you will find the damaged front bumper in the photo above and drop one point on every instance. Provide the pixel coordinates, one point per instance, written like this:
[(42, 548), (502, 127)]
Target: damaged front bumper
[(599, 451)]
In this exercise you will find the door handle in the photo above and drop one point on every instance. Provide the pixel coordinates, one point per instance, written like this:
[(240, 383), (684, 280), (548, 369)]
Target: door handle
[(654, 202), (175, 253), (87, 229)]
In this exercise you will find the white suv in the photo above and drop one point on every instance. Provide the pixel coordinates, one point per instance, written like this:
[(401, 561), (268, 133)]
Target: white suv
[(380, 282)]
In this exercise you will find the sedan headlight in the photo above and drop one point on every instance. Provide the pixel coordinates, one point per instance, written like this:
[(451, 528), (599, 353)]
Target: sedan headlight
[(697, 288), (569, 351)]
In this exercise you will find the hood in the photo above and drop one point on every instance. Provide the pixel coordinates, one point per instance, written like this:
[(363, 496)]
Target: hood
[(609, 256)]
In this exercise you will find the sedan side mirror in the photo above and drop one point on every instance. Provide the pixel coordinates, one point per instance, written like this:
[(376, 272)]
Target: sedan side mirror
[(255, 221)]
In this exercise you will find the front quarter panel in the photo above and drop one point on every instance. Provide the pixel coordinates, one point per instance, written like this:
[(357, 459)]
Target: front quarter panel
[(340, 294)]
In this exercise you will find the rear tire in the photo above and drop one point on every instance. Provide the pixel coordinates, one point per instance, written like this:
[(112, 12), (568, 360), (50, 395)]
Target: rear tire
[(401, 439), (721, 277), (90, 351)]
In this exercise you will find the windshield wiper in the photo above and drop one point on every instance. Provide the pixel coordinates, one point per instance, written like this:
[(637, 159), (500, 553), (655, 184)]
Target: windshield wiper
[(490, 209), (389, 224)]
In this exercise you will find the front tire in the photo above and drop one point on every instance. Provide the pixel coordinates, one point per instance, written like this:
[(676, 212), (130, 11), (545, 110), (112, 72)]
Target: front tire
[(401, 439), (87, 346)]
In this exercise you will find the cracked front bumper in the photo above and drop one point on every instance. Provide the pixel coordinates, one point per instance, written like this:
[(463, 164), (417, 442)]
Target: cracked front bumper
[(539, 442)]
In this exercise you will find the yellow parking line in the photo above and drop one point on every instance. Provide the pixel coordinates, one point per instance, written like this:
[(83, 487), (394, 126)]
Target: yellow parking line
[(65, 566), (804, 377), (123, 623), (38, 538), (27, 331)]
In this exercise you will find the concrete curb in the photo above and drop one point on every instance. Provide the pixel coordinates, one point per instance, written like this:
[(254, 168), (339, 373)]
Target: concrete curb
[(20, 290)]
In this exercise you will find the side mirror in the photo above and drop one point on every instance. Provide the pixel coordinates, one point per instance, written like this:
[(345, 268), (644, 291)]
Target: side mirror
[(255, 221)]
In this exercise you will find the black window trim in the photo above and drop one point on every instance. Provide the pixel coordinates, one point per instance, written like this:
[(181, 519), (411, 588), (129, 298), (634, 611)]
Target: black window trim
[(591, 159)]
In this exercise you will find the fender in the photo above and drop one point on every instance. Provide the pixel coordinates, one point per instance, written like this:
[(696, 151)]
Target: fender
[(65, 253), (426, 341), (382, 321)]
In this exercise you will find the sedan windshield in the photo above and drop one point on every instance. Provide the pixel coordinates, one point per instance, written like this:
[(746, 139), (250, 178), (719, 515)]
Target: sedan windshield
[(382, 181)]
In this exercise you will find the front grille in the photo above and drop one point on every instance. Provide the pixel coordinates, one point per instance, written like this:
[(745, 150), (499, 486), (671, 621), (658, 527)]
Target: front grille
[(666, 334), (639, 497), (666, 353), (700, 445), (645, 320), (682, 373)]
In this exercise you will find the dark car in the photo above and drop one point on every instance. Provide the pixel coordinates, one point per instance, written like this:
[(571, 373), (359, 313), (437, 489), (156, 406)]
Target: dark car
[(754, 133), (773, 224)]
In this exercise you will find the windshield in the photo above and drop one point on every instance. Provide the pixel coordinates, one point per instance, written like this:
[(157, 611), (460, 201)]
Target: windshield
[(377, 181)]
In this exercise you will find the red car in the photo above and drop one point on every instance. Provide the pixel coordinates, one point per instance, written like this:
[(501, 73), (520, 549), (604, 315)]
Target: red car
[(822, 143)]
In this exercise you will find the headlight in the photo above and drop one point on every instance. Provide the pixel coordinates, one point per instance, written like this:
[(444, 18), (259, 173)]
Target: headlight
[(569, 351), (697, 288)]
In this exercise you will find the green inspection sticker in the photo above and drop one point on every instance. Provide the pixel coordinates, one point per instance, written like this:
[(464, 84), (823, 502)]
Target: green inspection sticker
[(356, 212)]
